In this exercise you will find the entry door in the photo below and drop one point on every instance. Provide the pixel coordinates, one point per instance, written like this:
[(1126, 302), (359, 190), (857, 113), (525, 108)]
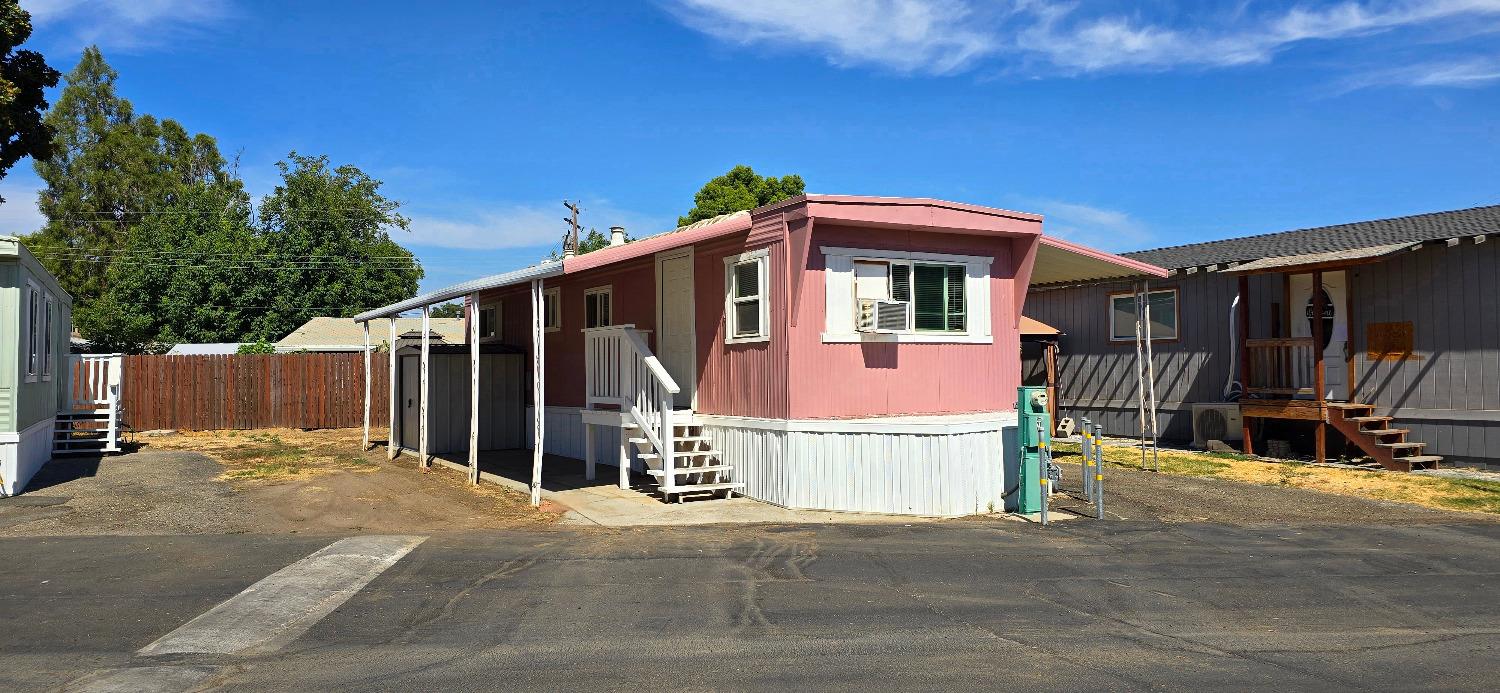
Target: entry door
[(1335, 327), (411, 389), (675, 342)]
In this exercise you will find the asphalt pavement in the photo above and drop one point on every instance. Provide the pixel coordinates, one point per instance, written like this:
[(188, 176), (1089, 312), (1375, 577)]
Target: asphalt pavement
[(1079, 605)]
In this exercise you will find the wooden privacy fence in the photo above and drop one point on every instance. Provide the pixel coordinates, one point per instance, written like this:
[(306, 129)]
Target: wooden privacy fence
[(242, 391)]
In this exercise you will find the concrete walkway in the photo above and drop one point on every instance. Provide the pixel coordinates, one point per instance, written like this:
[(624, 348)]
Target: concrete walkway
[(602, 502)]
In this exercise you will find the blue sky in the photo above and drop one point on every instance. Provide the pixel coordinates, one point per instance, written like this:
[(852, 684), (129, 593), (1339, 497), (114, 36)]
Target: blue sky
[(1130, 125)]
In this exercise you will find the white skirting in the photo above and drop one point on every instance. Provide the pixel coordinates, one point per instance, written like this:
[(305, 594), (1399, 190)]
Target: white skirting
[(23, 454), (928, 465)]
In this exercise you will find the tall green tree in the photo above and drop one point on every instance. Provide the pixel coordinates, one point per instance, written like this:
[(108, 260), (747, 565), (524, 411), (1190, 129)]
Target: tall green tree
[(326, 230), (109, 170), (23, 76), (740, 189)]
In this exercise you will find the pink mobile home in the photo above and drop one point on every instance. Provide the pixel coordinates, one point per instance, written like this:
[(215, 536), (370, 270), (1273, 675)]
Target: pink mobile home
[(831, 352)]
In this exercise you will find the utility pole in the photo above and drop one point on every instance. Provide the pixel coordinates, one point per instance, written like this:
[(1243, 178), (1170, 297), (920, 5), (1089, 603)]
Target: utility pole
[(570, 239)]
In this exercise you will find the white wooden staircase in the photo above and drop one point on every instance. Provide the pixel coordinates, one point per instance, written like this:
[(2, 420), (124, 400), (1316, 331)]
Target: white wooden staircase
[(91, 422), (621, 372)]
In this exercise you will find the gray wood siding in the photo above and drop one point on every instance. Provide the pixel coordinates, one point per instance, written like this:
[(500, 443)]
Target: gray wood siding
[(1096, 377), (1448, 392)]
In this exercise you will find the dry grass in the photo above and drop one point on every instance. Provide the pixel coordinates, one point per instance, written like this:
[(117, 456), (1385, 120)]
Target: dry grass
[(1434, 492), (275, 454)]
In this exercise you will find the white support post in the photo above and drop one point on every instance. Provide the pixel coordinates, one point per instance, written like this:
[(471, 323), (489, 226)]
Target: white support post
[(1140, 371), (422, 408), (669, 448), (539, 390), (1150, 376), (473, 388), (390, 438), (588, 451), (624, 458), (367, 386)]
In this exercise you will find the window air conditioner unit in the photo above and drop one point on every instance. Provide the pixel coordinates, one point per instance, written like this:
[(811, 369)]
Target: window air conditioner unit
[(1219, 422), (882, 316)]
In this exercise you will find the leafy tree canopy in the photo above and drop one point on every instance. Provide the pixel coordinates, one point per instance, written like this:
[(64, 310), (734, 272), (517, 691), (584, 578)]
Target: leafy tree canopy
[(740, 189), (447, 310), (259, 346), (23, 76), (109, 171)]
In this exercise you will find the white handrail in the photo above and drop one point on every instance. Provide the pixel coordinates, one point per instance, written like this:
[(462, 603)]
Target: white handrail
[(622, 371)]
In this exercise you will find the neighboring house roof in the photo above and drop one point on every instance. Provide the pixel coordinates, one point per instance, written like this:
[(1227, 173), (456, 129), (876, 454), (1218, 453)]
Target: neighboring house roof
[(1413, 229), (207, 349), (344, 334)]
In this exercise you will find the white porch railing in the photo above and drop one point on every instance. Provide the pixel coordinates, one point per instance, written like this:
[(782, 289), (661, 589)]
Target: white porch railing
[(90, 405), (620, 370), (95, 380)]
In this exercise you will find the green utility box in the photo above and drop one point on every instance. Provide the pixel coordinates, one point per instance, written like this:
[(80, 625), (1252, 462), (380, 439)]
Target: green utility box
[(1034, 431)]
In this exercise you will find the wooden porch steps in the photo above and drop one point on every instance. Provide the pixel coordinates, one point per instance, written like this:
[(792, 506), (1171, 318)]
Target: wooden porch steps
[(693, 457), (684, 471), (1381, 442)]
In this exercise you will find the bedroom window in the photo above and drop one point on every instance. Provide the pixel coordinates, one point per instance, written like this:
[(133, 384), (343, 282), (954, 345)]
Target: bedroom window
[(1163, 316), (552, 309), (901, 296), (747, 297), (47, 357), (596, 307)]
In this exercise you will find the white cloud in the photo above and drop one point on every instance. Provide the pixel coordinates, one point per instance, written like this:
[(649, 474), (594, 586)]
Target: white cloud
[(1097, 227), (520, 226), (126, 24), (1038, 36), (1471, 72), (906, 35)]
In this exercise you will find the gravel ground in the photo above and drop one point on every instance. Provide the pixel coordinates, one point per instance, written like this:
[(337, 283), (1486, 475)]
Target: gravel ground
[(161, 492), (1136, 495)]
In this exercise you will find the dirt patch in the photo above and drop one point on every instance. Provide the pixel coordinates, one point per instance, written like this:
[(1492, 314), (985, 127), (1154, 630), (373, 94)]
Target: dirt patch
[(1379, 495), (271, 482)]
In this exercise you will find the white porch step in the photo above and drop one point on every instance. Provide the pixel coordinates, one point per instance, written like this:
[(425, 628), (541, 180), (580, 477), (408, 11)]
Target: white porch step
[(722, 486), (680, 471), (680, 453), (680, 439)]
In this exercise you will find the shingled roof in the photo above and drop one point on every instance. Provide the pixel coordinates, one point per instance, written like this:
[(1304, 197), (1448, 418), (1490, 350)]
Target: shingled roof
[(1327, 239)]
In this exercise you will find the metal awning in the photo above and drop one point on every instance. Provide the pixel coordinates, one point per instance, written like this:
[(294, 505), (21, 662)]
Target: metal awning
[(1061, 262), (544, 270), (1351, 256)]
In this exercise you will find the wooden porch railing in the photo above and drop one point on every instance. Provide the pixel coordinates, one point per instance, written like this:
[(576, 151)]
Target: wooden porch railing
[(620, 370), (1281, 366)]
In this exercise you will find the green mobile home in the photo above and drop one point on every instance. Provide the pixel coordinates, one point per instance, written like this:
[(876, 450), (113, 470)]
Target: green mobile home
[(35, 322)]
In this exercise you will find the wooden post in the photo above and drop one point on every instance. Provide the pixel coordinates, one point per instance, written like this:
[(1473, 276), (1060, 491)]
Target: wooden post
[(539, 392), (1320, 384), (1140, 371), (1049, 357), (624, 459), (367, 386), (474, 388), (588, 451), (1150, 373), (1243, 318), (422, 406), (390, 438)]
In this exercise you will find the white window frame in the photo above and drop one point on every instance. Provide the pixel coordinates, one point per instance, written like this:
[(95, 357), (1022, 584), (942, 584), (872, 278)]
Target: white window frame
[(552, 319), (839, 303), (498, 323), (48, 346), (31, 311), (762, 260), (607, 290), (1176, 316)]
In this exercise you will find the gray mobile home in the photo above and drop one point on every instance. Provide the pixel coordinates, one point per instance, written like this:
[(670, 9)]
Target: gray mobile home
[(1403, 367)]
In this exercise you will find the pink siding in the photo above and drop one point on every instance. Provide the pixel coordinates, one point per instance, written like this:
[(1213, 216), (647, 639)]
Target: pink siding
[(740, 379), (886, 379)]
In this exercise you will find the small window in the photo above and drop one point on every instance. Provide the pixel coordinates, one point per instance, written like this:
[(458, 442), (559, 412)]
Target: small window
[(552, 309), (1163, 316), (489, 322), (747, 304), (596, 307), (33, 331), (47, 344)]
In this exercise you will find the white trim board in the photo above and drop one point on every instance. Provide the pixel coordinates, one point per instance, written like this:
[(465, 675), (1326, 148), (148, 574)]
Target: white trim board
[(919, 425)]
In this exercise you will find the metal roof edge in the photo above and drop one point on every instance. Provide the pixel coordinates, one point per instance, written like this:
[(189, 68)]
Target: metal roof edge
[(543, 270)]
